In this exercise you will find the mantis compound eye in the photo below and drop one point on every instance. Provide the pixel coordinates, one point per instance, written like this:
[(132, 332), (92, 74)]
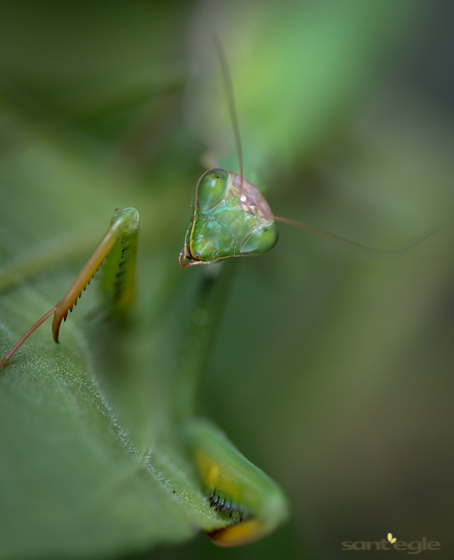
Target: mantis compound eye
[(211, 189), (261, 240)]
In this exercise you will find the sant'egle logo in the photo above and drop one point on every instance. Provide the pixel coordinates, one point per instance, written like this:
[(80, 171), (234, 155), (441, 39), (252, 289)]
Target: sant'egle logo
[(413, 547)]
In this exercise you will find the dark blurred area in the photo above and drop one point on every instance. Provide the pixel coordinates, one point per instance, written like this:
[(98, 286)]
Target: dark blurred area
[(331, 371)]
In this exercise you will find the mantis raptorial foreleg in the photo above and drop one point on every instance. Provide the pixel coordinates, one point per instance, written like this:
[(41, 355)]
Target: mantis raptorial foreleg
[(118, 248), (251, 503)]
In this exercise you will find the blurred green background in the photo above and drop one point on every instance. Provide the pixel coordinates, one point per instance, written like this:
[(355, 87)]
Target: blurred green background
[(332, 372)]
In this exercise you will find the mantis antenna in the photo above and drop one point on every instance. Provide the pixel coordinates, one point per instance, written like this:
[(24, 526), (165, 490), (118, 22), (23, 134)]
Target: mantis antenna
[(118, 247), (228, 82), (364, 249)]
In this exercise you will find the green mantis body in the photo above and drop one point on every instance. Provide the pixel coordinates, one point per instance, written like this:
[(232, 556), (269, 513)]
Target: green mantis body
[(231, 218)]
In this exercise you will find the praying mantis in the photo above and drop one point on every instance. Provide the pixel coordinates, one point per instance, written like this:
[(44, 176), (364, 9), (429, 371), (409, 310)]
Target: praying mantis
[(231, 219)]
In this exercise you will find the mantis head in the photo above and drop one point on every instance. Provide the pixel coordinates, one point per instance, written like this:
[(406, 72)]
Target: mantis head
[(231, 218)]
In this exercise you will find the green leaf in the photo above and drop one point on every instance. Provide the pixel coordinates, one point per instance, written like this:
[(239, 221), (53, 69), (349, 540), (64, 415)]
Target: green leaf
[(89, 462)]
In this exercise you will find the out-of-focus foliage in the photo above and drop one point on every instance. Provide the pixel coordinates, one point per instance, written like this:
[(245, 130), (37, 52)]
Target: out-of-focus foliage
[(331, 372)]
